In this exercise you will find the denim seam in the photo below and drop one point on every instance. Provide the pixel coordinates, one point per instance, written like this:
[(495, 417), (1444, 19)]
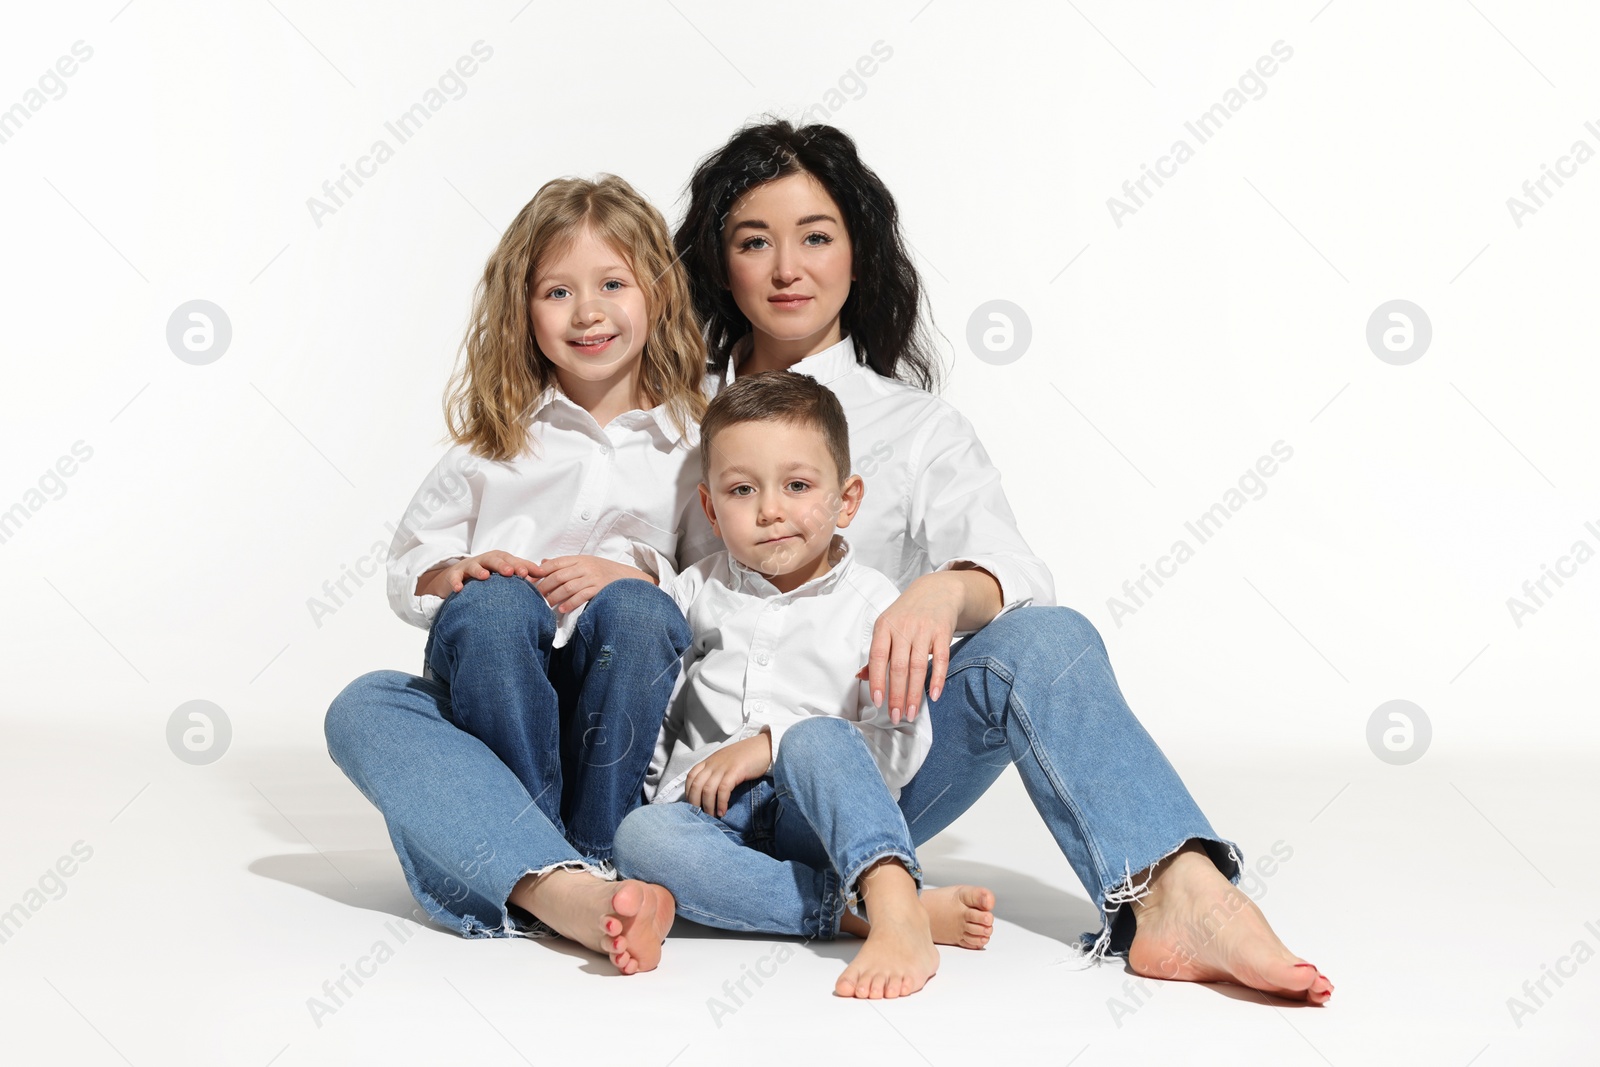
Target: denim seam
[(1107, 906)]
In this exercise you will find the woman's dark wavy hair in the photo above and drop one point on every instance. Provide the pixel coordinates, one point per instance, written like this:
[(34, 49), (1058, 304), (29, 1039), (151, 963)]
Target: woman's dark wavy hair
[(883, 311)]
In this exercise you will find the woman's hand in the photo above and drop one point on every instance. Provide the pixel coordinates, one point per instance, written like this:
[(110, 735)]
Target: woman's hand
[(919, 625), (568, 582), (711, 781), (452, 576)]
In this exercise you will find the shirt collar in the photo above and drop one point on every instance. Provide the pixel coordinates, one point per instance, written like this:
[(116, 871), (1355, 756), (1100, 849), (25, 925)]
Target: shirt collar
[(840, 554), (554, 397), (827, 366)]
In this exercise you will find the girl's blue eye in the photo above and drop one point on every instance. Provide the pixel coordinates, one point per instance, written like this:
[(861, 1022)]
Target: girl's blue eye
[(614, 282), (558, 289)]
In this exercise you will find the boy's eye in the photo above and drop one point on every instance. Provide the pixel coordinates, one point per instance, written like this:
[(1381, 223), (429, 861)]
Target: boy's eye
[(741, 490), (798, 486)]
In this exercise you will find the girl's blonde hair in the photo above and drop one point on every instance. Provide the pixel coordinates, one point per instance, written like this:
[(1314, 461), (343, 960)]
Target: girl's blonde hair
[(502, 373)]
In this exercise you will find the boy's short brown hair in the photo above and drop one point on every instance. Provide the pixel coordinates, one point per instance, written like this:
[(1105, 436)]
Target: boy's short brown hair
[(777, 396)]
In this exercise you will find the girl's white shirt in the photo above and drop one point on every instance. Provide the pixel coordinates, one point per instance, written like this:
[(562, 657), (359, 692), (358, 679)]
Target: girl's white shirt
[(762, 659), (933, 497), (623, 492)]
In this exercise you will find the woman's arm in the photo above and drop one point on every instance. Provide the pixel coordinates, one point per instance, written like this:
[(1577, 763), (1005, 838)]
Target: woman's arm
[(960, 517)]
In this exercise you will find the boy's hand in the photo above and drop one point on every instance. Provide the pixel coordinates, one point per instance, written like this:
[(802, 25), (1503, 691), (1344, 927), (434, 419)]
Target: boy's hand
[(711, 781), (451, 577), (567, 582)]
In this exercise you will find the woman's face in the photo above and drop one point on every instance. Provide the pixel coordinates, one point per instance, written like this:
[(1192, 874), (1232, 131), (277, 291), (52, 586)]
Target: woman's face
[(789, 261)]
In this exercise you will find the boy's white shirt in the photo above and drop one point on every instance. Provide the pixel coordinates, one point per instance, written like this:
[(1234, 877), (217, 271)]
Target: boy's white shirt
[(933, 499), (623, 492), (761, 658)]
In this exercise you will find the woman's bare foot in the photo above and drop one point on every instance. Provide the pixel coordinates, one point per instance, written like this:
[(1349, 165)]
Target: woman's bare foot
[(898, 957), (625, 920), (961, 915), (1195, 926)]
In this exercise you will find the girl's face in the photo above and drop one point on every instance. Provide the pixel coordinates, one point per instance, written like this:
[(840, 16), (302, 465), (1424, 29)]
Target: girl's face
[(588, 312), (789, 260)]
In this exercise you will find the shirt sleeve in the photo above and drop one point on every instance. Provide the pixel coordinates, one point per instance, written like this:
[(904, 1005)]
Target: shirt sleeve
[(959, 513), (436, 527)]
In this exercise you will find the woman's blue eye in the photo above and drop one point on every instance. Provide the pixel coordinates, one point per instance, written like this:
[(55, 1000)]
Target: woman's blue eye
[(821, 237), (750, 244)]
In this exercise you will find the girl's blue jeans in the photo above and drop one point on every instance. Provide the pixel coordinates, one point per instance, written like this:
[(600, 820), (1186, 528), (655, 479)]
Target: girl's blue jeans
[(511, 757), (786, 857), (1034, 688)]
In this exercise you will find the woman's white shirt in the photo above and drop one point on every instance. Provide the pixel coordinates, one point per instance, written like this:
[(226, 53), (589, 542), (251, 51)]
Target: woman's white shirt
[(933, 497)]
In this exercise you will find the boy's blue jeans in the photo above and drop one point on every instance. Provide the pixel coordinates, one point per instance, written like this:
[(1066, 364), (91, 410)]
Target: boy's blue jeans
[(786, 857), (1034, 688), (511, 757)]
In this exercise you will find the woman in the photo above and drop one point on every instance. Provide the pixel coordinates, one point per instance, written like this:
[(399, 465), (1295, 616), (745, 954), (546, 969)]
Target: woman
[(796, 261)]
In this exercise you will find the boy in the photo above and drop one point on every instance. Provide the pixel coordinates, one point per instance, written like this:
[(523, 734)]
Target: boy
[(788, 770)]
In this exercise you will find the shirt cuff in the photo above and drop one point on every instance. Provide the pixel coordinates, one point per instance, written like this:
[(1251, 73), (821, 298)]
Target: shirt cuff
[(1013, 586), (775, 732)]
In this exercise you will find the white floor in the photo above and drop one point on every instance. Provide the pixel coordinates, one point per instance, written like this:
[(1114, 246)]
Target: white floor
[(215, 902)]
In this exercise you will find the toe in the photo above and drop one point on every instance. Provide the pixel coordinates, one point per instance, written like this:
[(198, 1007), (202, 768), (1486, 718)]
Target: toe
[(628, 899)]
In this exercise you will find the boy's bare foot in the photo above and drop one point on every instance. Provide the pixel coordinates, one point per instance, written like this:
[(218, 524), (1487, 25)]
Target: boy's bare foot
[(898, 957), (1195, 926), (625, 920), (961, 915)]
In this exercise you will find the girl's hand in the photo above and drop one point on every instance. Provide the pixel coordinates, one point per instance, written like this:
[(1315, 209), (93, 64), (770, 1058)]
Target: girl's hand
[(567, 582), (451, 577), (710, 782), (920, 624)]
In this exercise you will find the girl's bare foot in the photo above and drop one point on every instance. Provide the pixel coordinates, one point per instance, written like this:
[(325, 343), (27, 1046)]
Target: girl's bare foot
[(625, 920), (961, 915), (1195, 926), (898, 957)]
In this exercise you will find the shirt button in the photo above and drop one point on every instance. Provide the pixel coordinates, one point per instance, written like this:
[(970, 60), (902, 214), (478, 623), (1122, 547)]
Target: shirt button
[(605, 450), (759, 708), (586, 515), (761, 658)]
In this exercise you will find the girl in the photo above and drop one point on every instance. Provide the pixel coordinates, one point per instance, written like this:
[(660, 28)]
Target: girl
[(793, 249), (532, 555)]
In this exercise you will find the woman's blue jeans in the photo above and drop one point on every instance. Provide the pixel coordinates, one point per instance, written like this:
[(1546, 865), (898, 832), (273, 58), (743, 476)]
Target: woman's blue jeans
[(786, 857), (510, 757), (1034, 688)]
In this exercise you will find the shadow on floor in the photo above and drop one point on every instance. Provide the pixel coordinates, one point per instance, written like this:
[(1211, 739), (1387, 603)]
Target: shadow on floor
[(1021, 899), (369, 879)]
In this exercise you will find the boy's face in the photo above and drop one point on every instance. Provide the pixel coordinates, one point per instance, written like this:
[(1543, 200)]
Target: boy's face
[(774, 497)]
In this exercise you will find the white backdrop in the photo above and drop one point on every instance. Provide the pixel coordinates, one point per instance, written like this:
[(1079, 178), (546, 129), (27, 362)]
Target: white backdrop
[(1167, 353), (1171, 345)]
